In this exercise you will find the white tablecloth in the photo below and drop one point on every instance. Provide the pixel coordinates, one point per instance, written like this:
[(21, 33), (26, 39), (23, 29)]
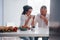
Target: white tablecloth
[(40, 32)]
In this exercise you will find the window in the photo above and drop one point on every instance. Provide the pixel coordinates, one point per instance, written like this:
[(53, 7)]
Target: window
[(36, 4)]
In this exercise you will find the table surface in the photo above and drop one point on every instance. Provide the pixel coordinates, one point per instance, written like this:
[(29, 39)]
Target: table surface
[(40, 32)]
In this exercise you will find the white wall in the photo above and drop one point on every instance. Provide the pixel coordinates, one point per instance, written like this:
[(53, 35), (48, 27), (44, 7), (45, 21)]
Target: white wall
[(13, 10), (1, 15), (0, 12), (36, 4)]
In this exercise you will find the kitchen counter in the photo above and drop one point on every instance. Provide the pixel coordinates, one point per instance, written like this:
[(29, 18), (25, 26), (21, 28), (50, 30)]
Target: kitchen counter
[(40, 32)]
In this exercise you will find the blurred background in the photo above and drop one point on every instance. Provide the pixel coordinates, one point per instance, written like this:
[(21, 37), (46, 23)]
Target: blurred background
[(10, 10), (54, 20)]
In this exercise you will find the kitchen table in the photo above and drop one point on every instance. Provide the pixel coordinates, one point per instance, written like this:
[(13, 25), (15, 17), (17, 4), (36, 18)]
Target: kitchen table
[(39, 32)]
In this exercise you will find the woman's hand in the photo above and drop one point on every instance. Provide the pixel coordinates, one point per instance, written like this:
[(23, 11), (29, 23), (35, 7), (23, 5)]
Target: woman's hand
[(32, 24), (26, 27), (26, 22), (30, 17), (33, 17)]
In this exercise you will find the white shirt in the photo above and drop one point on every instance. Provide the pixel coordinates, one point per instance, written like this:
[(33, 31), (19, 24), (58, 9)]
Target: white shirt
[(23, 19), (40, 21)]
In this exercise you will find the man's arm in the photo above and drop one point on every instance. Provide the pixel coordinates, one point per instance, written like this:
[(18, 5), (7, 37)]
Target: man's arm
[(45, 19)]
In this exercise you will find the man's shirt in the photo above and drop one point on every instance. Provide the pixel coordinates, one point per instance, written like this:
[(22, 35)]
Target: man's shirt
[(40, 21)]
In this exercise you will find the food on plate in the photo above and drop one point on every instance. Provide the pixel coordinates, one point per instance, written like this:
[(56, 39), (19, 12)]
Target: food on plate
[(8, 29)]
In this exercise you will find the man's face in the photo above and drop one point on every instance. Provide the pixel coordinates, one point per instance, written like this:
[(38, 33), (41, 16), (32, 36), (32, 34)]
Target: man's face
[(29, 12), (43, 11)]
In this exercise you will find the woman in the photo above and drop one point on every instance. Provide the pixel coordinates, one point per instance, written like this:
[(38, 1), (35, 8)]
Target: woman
[(27, 19)]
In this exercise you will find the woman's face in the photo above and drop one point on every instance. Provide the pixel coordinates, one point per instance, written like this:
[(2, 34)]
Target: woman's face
[(29, 12)]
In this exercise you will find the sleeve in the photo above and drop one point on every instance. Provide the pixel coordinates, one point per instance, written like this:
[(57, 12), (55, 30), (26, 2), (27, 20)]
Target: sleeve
[(22, 20)]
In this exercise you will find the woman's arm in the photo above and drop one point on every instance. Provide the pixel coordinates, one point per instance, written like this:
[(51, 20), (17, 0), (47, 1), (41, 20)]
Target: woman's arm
[(26, 21), (33, 21)]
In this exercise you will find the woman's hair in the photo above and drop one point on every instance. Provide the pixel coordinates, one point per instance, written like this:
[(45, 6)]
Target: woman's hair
[(25, 9)]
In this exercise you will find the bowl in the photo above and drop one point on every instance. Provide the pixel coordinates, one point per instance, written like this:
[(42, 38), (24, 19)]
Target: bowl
[(23, 29)]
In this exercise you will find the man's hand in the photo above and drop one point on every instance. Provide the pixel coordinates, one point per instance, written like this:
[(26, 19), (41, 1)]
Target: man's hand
[(45, 19), (42, 17)]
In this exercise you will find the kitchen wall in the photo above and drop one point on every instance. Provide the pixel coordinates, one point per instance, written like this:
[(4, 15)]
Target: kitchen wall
[(1, 12), (13, 10), (1, 16)]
